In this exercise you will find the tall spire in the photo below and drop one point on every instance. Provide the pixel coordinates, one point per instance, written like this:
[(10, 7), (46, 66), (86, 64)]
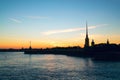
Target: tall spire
[(86, 29), (86, 39)]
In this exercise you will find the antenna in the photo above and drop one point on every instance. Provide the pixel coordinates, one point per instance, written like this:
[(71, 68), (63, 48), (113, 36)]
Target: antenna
[(30, 45)]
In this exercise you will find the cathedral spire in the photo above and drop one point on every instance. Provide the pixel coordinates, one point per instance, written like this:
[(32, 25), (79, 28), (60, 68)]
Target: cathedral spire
[(86, 29), (86, 39)]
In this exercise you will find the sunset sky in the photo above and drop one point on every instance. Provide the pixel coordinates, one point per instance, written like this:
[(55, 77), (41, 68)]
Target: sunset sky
[(50, 23)]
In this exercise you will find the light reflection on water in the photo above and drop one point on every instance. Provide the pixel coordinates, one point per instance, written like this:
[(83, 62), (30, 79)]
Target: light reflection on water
[(18, 66)]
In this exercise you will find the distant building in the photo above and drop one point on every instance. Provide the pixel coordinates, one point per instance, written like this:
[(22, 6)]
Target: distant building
[(92, 43), (87, 38), (30, 46), (22, 48), (108, 41)]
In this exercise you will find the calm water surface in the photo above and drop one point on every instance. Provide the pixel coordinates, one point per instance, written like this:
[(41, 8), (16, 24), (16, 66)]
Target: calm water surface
[(18, 66)]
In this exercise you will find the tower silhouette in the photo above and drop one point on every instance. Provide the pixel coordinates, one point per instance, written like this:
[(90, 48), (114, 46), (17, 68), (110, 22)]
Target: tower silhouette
[(107, 41), (30, 46), (92, 43), (87, 38)]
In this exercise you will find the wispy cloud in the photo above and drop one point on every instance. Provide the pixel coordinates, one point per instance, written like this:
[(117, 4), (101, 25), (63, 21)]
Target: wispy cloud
[(62, 31), (37, 17), (15, 20), (71, 30)]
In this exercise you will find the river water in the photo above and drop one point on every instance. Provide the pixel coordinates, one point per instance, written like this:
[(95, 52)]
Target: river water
[(19, 66)]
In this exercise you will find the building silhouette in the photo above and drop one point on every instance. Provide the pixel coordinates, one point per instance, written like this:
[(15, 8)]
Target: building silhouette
[(107, 41), (30, 46), (87, 38), (92, 43)]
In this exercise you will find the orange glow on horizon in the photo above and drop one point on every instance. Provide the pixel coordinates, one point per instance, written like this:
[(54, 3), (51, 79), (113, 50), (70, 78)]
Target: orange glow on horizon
[(49, 43), (39, 45)]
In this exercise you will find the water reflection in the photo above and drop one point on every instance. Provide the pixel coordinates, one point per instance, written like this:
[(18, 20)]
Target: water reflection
[(30, 60), (19, 66), (59, 62)]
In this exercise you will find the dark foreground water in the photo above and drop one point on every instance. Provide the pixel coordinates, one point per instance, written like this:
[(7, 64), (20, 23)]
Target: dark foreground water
[(18, 66)]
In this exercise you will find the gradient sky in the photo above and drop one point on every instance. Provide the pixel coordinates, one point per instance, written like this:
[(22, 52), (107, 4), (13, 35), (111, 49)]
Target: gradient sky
[(50, 23)]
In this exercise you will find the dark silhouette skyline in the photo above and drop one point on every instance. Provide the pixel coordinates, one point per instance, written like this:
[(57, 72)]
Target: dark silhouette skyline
[(103, 51)]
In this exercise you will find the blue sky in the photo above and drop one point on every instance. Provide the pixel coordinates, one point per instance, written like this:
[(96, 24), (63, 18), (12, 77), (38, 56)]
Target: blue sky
[(58, 22)]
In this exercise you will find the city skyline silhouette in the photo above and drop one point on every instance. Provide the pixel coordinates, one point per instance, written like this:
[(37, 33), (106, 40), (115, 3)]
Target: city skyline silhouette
[(59, 39), (56, 23)]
